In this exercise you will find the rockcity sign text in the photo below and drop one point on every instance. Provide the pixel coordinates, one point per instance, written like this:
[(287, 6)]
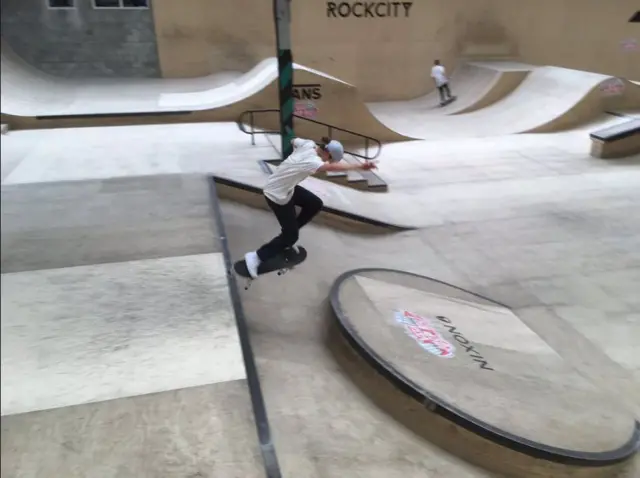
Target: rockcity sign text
[(368, 9)]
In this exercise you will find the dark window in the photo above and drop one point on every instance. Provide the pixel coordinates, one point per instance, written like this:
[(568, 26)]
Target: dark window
[(121, 3), (62, 3), (135, 3), (107, 3)]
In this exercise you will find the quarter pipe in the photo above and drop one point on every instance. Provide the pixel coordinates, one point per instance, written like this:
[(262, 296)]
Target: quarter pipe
[(32, 99), (476, 84), (494, 98), (549, 99)]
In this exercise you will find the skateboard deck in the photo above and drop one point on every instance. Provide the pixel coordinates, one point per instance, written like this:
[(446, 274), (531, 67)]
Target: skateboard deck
[(449, 101), (280, 263)]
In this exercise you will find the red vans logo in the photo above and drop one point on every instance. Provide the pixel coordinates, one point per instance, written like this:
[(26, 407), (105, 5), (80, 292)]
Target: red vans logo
[(422, 331)]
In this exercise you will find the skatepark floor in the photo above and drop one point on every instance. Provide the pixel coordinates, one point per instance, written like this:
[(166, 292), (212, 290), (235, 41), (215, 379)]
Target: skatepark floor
[(323, 425), (529, 221)]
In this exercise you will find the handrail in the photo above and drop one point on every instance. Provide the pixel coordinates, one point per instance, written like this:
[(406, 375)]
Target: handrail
[(367, 139)]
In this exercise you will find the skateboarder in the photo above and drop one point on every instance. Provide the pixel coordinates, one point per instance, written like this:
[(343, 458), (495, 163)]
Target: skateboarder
[(283, 193), (439, 74)]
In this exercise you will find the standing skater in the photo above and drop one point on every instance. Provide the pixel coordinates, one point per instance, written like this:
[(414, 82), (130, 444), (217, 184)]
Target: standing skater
[(439, 74), (283, 193)]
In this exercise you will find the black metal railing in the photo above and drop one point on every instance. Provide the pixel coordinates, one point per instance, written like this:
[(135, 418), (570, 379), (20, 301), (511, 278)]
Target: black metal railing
[(367, 140)]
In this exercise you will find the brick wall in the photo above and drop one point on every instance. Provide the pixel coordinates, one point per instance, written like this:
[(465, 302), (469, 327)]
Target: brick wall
[(82, 42)]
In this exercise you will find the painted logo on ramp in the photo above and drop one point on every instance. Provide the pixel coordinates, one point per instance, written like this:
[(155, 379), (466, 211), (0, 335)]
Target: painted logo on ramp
[(612, 87), (422, 331), (630, 44), (305, 109)]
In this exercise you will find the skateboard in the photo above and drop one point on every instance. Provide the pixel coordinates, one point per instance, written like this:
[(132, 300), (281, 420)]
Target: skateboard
[(448, 101), (282, 264)]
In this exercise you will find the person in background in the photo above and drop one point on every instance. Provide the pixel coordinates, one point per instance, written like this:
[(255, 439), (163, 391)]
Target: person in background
[(439, 74)]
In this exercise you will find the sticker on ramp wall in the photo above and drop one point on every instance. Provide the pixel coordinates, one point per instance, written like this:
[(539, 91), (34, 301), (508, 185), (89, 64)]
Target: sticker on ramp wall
[(421, 329), (612, 87), (630, 44), (306, 109)]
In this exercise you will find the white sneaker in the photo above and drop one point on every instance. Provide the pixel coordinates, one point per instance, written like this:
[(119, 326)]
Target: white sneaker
[(253, 262)]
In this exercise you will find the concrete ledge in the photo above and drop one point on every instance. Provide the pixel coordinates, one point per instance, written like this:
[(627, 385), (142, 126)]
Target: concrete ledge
[(342, 220), (407, 363), (616, 141)]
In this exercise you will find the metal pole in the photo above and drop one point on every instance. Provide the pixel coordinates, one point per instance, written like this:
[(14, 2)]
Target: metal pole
[(282, 16)]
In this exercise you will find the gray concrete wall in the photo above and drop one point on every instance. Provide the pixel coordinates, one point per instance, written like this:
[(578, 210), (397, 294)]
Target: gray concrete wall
[(82, 42)]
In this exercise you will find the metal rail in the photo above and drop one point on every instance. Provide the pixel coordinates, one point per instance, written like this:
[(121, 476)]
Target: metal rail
[(368, 140)]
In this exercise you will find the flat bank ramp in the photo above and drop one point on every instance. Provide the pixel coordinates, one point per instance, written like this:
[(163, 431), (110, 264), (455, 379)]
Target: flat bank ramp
[(549, 99), (476, 85)]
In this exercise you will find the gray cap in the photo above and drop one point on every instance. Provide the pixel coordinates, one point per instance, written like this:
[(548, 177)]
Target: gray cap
[(336, 150)]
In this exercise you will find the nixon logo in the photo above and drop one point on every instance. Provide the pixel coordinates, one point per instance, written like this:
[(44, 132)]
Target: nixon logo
[(468, 347), (307, 92), (368, 9)]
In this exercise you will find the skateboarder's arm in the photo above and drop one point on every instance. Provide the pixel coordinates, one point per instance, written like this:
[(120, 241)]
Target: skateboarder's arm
[(346, 166)]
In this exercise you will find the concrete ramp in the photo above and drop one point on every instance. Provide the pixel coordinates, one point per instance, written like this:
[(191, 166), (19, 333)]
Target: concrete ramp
[(476, 85), (27, 91), (549, 99), (476, 380), (32, 100)]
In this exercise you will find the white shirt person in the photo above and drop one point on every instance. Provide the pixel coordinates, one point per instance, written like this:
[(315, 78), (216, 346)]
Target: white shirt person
[(439, 75), (283, 193)]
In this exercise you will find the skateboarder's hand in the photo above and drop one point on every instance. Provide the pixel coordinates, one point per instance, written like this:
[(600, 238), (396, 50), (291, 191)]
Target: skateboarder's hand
[(369, 165)]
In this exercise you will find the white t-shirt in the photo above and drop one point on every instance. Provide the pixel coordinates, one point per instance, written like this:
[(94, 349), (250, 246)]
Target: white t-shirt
[(302, 163), (439, 74)]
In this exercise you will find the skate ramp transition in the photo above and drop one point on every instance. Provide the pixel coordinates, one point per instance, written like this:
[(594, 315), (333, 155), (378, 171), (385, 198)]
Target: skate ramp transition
[(548, 99), (468, 374), (31, 99), (476, 85)]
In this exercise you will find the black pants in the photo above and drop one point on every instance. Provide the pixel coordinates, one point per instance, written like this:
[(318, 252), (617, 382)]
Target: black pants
[(442, 89), (309, 204)]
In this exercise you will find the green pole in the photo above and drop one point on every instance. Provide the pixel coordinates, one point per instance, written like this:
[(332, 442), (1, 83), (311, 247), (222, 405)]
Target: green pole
[(282, 16)]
